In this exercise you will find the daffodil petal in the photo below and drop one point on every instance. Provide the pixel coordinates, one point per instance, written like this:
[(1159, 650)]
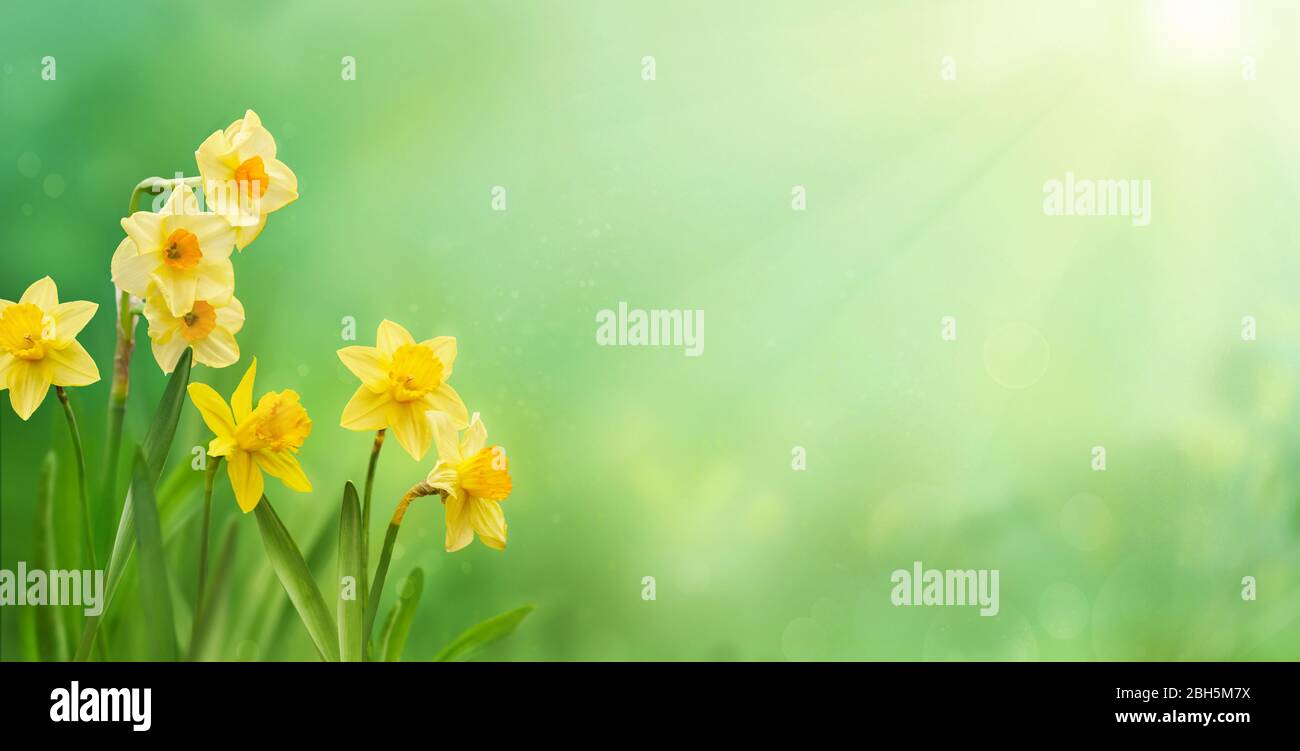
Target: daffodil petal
[(133, 271), (231, 316), (444, 348), (391, 336), (245, 235), (70, 318), (242, 400), (42, 293), (488, 521), (445, 478), (72, 366), (475, 437), (251, 137), (167, 352), (216, 350), (246, 480), (459, 530), (177, 289), (445, 399), (221, 446), (367, 364), (216, 236), (144, 228), (285, 466), (214, 281), (283, 189), (216, 414), (181, 202), (411, 427), (366, 410), (28, 382), (444, 437)]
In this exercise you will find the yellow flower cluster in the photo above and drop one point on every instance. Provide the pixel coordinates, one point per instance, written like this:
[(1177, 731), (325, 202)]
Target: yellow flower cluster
[(174, 269), (178, 259), (404, 388), (176, 264)]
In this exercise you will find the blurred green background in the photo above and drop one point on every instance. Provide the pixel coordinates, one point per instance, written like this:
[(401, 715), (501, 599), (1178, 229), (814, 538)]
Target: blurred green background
[(822, 327)]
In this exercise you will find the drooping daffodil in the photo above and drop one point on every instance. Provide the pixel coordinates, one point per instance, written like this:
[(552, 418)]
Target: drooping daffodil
[(473, 479)]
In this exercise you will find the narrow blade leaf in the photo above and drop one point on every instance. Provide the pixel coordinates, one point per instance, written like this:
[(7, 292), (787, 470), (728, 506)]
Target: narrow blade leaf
[(156, 443), (154, 591), (351, 597), (297, 581), (477, 637), (398, 625), (52, 635)]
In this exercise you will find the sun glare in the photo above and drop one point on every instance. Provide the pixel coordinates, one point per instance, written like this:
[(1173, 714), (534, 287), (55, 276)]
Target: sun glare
[(1195, 29)]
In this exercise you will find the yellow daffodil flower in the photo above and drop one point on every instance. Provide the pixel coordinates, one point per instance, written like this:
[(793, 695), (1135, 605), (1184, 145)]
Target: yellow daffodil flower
[(242, 179), (209, 329), (258, 440), (401, 381), (185, 254), (38, 346), (474, 478)]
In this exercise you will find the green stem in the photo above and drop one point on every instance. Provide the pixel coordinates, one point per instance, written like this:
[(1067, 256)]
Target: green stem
[(365, 511), (386, 554), (208, 482), (87, 523)]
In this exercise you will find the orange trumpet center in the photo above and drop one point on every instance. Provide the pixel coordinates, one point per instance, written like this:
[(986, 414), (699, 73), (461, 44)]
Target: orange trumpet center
[(199, 322), (182, 251), (251, 175)]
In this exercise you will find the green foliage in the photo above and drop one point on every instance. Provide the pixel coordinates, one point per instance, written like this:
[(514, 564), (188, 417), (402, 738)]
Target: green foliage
[(398, 624), (154, 589), (297, 581), (485, 633), (154, 452), (350, 611)]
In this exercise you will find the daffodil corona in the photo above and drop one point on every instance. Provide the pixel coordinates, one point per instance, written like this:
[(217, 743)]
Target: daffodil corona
[(401, 382), (253, 441), (182, 253), (38, 346), (242, 179), (473, 478)]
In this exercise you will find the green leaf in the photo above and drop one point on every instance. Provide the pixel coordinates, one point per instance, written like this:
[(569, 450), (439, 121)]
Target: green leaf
[(154, 590), (297, 581), (477, 637), (52, 634), (398, 624), (216, 593), (156, 443), (350, 611)]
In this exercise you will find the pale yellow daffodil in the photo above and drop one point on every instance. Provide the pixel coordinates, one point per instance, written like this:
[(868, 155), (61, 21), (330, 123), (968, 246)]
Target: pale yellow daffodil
[(38, 346), (183, 253), (401, 381), (254, 441), (474, 478), (242, 179), (209, 329)]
